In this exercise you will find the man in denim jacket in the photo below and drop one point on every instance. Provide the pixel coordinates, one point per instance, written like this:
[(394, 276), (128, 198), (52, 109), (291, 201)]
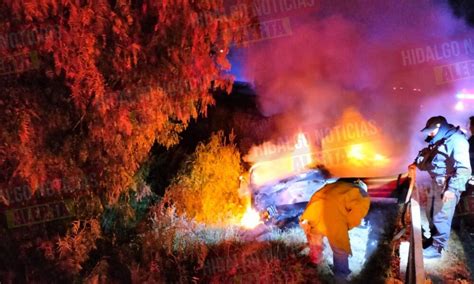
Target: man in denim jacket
[(449, 166)]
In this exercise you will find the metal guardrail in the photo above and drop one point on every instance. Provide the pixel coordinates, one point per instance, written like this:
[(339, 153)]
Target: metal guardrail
[(415, 267)]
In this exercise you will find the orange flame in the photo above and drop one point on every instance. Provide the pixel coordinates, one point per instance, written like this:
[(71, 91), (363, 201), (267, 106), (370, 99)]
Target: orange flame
[(356, 147), (365, 153)]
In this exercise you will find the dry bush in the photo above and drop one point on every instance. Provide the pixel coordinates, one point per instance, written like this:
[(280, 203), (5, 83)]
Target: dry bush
[(170, 250), (179, 250), (206, 188)]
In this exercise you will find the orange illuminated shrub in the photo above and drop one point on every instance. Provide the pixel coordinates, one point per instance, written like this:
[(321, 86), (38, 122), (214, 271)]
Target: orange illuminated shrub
[(207, 187)]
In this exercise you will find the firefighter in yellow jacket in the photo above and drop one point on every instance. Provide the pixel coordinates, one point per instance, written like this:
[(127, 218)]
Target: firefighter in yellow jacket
[(332, 211)]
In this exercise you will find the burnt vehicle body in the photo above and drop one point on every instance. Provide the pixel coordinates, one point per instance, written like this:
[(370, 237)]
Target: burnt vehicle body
[(281, 202)]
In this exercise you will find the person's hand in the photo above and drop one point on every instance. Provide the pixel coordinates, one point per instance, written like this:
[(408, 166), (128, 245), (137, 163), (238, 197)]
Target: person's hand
[(448, 196)]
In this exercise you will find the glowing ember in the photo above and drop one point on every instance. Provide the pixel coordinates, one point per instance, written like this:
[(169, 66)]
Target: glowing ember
[(251, 219)]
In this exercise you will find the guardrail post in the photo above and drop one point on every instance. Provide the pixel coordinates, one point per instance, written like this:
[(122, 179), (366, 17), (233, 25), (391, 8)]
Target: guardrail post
[(416, 271)]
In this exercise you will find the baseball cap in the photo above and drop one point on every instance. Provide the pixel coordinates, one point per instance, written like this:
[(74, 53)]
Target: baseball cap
[(433, 122)]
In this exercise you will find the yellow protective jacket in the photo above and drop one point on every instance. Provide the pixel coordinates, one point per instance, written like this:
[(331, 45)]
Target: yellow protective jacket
[(334, 210)]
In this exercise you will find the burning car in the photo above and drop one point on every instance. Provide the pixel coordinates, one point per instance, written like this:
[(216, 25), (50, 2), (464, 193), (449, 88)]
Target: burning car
[(281, 183), (282, 201)]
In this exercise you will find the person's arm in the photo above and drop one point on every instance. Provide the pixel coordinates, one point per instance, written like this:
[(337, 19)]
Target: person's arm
[(462, 166), (357, 206)]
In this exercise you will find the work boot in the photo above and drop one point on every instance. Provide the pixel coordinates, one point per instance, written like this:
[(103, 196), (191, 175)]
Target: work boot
[(432, 252)]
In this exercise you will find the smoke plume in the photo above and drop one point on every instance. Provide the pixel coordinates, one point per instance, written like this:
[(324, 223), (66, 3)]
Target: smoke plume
[(383, 58)]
